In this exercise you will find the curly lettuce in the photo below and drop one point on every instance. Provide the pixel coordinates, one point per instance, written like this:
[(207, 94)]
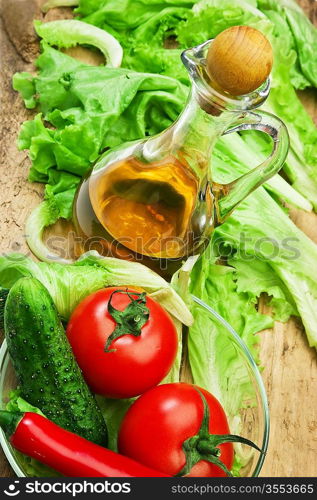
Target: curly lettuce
[(70, 32), (69, 284)]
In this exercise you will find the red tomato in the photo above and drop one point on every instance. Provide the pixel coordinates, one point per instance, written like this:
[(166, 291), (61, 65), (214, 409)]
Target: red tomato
[(135, 363), (157, 424)]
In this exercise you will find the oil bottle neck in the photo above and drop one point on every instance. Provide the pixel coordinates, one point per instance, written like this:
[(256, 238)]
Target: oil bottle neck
[(200, 125)]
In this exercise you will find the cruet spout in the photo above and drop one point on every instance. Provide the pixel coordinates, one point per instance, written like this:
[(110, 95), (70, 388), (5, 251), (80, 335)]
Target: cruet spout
[(194, 59)]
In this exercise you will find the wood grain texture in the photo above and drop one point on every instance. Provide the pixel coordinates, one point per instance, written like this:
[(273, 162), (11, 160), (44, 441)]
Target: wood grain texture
[(239, 60), (289, 364)]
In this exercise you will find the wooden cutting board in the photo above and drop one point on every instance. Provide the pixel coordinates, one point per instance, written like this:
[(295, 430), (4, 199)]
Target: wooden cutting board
[(289, 364)]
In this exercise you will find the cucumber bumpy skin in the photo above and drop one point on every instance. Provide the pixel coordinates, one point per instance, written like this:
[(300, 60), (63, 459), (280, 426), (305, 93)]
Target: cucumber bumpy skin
[(48, 374)]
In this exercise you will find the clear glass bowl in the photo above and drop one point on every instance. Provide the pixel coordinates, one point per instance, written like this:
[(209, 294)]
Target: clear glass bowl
[(236, 382)]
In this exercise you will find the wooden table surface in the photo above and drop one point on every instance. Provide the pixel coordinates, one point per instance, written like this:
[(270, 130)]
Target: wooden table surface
[(289, 364)]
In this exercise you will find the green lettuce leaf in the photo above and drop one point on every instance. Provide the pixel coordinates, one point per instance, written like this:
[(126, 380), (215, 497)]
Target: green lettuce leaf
[(284, 37), (217, 286), (260, 229), (16, 403), (302, 31), (69, 284), (127, 14), (264, 279), (304, 292), (162, 61), (113, 411), (247, 150), (294, 41)]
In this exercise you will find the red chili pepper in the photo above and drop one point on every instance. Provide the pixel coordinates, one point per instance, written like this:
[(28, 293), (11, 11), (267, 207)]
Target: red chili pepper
[(67, 453)]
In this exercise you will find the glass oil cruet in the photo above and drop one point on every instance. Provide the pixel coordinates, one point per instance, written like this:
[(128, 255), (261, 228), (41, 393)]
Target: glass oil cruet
[(154, 200)]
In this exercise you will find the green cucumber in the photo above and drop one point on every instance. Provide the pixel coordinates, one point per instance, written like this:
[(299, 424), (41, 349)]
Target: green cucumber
[(48, 375)]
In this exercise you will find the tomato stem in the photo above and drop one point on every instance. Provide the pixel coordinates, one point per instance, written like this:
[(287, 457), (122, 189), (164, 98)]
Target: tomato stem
[(131, 320), (205, 446)]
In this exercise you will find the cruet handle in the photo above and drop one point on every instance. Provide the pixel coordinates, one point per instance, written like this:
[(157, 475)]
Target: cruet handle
[(236, 191)]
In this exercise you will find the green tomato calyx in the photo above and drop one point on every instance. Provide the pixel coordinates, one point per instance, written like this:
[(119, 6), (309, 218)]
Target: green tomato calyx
[(205, 446)]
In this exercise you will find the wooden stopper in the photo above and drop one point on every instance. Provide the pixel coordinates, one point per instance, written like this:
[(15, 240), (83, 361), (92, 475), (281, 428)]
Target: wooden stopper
[(239, 60)]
